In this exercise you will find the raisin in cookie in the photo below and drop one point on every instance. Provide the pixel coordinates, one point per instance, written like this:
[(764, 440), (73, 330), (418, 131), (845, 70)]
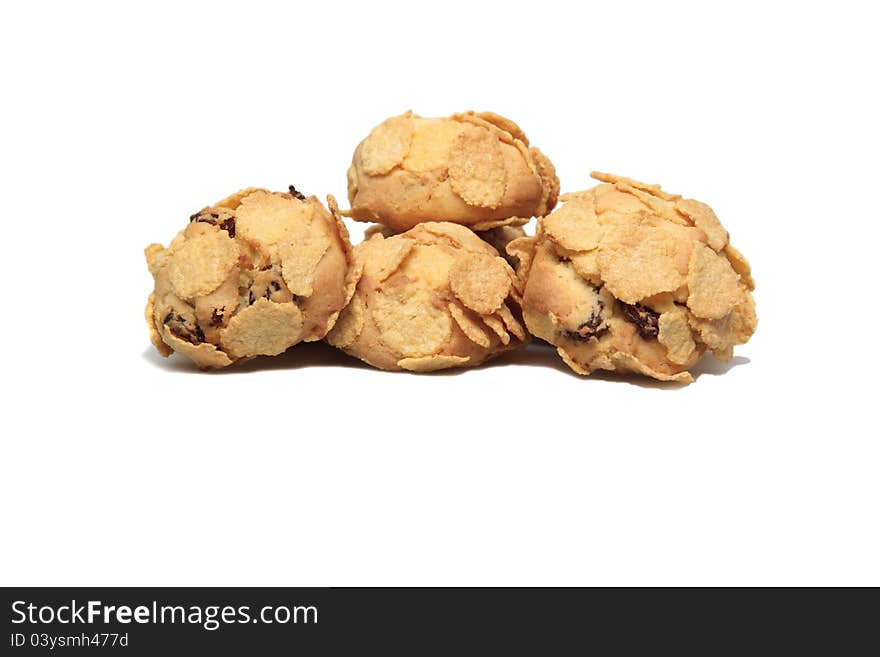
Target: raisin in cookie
[(627, 277), (252, 275), (472, 169), (434, 297)]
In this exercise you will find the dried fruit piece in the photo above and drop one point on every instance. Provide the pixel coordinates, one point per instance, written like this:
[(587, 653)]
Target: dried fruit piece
[(213, 311), (645, 319), (592, 328)]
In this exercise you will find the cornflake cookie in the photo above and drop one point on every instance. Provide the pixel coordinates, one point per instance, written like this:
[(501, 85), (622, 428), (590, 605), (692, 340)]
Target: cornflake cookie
[(252, 275), (434, 297), (498, 238), (472, 169), (627, 277)]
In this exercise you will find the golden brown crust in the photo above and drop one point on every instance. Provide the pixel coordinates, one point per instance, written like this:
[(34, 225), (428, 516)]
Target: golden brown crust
[(550, 182), (627, 277), (155, 338), (472, 169), (433, 297), (254, 274)]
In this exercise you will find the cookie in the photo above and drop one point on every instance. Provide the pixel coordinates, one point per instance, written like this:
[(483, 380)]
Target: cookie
[(498, 238), (433, 297), (626, 277), (251, 275), (472, 169)]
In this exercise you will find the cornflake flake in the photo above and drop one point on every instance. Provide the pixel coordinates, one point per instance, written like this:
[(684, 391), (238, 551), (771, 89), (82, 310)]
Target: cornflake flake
[(265, 328), (387, 145), (574, 226), (675, 335), (408, 323), (713, 285), (201, 264), (476, 167), (481, 282), (469, 327)]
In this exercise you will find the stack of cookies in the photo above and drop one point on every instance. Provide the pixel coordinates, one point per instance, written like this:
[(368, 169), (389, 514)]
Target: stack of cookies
[(622, 277)]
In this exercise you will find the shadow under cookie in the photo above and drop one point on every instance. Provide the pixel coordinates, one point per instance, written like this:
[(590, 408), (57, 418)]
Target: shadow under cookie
[(306, 354)]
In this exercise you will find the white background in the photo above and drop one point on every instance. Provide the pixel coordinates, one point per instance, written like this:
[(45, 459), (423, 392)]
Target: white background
[(120, 468)]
